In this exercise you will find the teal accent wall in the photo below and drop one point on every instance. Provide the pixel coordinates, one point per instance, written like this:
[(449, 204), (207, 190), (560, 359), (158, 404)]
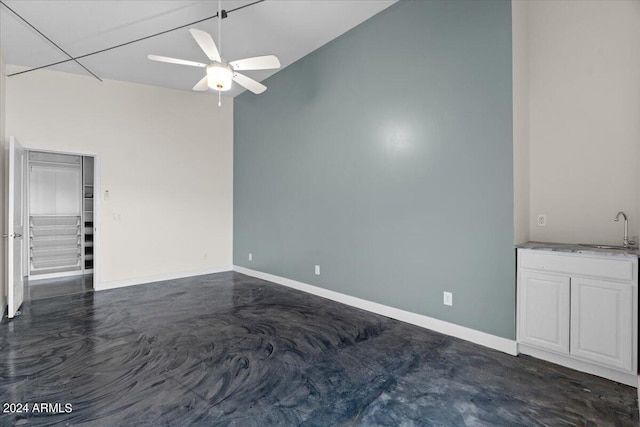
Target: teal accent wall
[(386, 158)]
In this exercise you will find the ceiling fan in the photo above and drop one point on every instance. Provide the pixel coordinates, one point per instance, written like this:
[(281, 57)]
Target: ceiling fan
[(220, 73)]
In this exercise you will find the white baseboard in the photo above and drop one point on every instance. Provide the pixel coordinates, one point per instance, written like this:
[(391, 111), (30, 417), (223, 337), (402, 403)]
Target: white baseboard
[(492, 341), (34, 278), (158, 278)]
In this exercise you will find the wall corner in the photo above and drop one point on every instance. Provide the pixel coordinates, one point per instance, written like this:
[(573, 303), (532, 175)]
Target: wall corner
[(521, 158)]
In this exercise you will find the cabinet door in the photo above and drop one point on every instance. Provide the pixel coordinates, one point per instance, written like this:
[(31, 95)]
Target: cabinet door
[(543, 311), (601, 317)]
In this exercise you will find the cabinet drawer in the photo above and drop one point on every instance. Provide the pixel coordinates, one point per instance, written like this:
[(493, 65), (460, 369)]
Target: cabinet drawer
[(608, 268)]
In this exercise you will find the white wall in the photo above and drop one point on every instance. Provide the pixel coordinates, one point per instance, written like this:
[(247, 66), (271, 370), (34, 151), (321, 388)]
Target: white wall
[(3, 300), (165, 156), (521, 184), (584, 110)]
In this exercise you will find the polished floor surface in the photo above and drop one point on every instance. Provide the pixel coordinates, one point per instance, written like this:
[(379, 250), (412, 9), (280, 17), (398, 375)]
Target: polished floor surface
[(47, 288), (227, 349)]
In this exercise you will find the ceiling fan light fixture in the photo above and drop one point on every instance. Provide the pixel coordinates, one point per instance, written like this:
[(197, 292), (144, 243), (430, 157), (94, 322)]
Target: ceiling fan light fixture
[(220, 73), (219, 77)]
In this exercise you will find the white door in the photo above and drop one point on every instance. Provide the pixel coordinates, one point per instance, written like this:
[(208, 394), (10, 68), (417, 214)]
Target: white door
[(15, 232), (543, 311), (601, 322)]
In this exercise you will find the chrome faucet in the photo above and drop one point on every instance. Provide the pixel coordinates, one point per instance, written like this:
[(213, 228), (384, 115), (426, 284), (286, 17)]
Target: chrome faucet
[(626, 243)]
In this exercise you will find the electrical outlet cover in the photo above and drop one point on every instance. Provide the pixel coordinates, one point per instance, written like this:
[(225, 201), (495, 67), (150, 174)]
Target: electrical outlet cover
[(447, 298), (541, 220)]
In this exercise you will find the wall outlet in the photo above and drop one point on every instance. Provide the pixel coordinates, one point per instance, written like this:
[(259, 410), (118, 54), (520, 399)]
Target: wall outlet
[(541, 220), (250, 257), (448, 299), (317, 270)]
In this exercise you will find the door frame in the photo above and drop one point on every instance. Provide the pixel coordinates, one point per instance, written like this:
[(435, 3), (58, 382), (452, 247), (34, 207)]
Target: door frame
[(97, 202)]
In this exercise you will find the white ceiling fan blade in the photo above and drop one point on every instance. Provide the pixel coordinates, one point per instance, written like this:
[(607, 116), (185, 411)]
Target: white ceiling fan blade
[(202, 84), (206, 43), (267, 62), (175, 61), (252, 85)]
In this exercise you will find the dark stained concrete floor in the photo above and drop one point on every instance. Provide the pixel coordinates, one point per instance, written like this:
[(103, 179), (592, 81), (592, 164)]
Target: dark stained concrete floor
[(228, 349), (47, 288)]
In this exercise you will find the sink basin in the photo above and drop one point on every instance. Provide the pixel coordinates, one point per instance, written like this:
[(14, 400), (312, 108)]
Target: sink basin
[(608, 247)]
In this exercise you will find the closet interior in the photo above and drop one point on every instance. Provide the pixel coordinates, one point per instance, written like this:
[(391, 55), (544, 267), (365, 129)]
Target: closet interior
[(60, 215)]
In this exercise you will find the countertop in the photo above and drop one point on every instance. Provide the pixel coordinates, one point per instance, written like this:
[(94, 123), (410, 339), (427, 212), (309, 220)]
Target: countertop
[(577, 249)]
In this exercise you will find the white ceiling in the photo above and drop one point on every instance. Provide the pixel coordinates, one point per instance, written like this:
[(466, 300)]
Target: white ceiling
[(289, 29)]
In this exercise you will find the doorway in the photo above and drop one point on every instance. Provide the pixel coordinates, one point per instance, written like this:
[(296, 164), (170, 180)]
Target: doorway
[(60, 218)]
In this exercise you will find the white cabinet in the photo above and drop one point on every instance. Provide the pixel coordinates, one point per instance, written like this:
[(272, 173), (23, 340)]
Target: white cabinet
[(544, 315), (580, 310), (601, 320)]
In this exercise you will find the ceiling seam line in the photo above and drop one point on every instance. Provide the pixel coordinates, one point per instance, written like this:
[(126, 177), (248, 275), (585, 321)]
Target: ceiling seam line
[(49, 40), (126, 43)]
